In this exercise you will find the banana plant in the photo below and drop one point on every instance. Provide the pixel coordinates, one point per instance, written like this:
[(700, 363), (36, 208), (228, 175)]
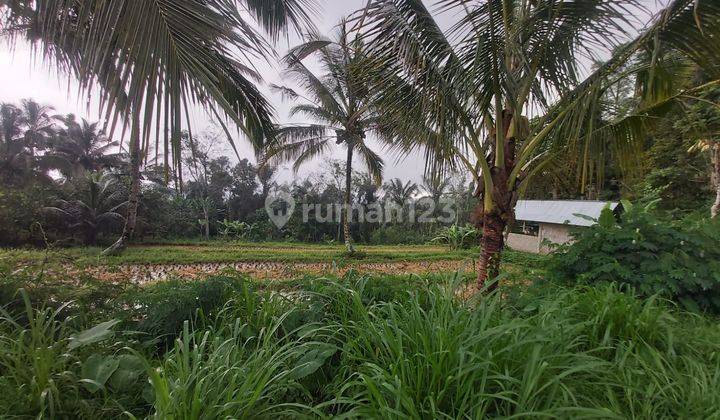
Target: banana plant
[(457, 237)]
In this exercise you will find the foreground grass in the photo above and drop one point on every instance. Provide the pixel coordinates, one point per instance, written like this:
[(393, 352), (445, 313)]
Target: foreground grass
[(356, 347)]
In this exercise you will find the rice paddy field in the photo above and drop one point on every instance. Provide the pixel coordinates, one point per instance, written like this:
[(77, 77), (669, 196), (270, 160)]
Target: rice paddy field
[(261, 261)]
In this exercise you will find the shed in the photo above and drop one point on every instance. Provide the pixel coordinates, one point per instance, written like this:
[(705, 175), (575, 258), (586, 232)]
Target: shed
[(540, 221)]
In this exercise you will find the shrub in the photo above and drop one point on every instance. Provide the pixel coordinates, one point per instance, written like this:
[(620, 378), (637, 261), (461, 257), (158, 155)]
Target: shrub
[(43, 373), (680, 261), (20, 210)]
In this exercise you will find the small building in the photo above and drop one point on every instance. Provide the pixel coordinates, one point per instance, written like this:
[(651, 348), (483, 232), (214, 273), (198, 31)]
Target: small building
[(540, 222)]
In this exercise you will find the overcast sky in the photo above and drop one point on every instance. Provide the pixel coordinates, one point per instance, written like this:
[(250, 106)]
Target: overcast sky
[(24, 77)]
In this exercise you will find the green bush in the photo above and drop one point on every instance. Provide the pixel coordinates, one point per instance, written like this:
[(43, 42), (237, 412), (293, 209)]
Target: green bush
[(680, 261), (20, 210), (50, 369)]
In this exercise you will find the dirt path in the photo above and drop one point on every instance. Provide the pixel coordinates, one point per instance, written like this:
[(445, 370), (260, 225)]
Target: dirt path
[(262, 270)]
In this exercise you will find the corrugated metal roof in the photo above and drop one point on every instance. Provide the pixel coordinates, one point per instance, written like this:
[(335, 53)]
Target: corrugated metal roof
[(560, 211)]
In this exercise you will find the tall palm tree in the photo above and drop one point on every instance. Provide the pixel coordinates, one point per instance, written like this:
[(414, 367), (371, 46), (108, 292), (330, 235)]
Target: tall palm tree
[(338, 100), (97, 211), (435, 187), (20, 140), (37, 123), (153, 60), (400, 193), (501, 91), (83, 147)]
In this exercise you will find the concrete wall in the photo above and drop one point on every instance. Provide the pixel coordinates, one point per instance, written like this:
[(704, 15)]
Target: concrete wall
[(558, 234), (525, 243)]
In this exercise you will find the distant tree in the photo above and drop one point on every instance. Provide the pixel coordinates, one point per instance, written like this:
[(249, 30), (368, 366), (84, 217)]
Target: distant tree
[(245, 192), (266, 174), (339, 102), (37, 123), (399, 193), (97, 211), (150, 60), (435, 187), (22, 134), (82, 146), (199, 164)]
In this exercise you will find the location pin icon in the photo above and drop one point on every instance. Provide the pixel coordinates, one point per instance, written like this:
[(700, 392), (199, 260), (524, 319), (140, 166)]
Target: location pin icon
[(280, 214)]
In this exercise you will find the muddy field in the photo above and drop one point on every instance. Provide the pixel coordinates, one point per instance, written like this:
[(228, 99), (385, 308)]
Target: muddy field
[(144, 273)]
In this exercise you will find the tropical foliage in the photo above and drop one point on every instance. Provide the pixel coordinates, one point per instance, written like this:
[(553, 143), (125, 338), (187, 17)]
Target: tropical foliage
[(503, 91), (458, 237), (339, 102), (678, 260), (99, 211), (81, 146), (26, 130), (344, 348)]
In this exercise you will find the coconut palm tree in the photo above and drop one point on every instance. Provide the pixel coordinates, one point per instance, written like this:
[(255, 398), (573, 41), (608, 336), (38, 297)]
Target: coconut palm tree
[(152, 61), (98, 211), (501, 90), (37, 123), (435, 187), (19, 143), (338, 101), (83, 147), (400, 193)]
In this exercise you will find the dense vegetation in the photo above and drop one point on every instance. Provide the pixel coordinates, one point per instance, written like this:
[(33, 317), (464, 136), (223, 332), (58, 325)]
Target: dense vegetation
[(680, 260), (367, 347), (502, 99), (86, 203)]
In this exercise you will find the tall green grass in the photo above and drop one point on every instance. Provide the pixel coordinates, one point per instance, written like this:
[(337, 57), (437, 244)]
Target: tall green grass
[(577, 353), (357, 349), (34, 365)]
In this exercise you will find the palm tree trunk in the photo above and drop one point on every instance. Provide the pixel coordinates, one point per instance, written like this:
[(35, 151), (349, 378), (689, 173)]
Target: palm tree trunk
[(492, 244), (495, 220), (134, 197), (348, 209), (715, 151)]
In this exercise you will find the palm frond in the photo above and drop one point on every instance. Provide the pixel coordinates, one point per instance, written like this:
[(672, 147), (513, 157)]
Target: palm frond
[(152, 60), (299, 143), (275, 16), (373, 162)]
